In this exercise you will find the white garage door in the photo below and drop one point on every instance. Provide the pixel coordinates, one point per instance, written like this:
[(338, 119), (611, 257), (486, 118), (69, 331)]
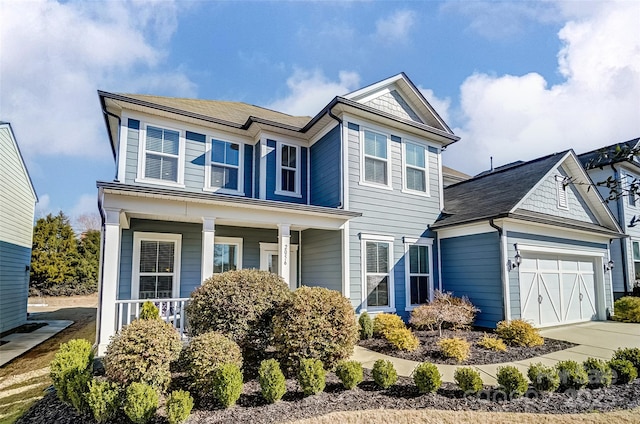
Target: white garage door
[(557, 289)]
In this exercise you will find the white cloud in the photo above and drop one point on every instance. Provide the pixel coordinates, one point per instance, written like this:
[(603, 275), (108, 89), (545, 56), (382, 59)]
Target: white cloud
[(55, 55), (396, 27), (310, 91), (522, 117), (441, 106), (85, 204), (43, 207)]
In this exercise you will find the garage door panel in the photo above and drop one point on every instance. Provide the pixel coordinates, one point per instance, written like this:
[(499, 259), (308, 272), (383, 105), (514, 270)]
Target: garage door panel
[(570, 297), (529, 295), (549, 292), (588, 303)]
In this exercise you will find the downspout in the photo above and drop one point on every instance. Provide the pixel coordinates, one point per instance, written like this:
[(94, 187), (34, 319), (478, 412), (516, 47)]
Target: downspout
[(116, 150), (504, 277), (103, 219), (623, 242), (340, 122)]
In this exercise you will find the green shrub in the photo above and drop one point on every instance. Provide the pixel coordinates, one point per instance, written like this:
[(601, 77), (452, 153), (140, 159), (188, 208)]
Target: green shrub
[(455, 348), (383, 323), (272, 381), (384, 374), (627, 309), (142, 352), (519, 333), (631, 354), (427, 378), (104, 399), (226, 384), (311, 376), (445, 310), (204, 354), (543, 378), (511, 379), (623, 371), (402, 339), (598, 373), (492, 343), (350, 373), (71, 370), (241, 305), (140, 402), (572, 375), (179, 406), (366, 326), (315, 323), (149, 311), (468, 380)]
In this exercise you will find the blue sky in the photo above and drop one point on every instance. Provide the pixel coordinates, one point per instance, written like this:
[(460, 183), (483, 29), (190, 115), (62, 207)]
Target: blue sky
[(516, 80)]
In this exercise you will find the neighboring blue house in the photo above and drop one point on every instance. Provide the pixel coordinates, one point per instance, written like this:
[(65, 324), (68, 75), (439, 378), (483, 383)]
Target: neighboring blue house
[(618, 164), (17, 206)]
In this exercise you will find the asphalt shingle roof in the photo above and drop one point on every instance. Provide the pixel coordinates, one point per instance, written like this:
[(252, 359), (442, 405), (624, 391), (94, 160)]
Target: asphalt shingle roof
[(615, 153)]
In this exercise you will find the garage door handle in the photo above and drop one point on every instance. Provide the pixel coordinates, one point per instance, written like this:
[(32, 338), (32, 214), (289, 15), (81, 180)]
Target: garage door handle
[(580, 297), (539, 298)]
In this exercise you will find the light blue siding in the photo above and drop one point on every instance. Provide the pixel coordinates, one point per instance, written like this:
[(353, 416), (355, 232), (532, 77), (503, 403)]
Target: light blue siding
[(321, 259), (195, 161), (272, 171), (14, 284), (471, 267), (132, 140), (325, 170)]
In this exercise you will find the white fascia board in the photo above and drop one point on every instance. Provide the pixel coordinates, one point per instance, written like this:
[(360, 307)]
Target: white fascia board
[(561, 250), (373, 88), (283, 138), (464, 230), (512, 225)]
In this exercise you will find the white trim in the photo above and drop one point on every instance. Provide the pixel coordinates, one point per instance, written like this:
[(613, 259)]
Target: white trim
[(139, 236), (561, 193), (344, 145), (611, 284), (377, 237), (418, 137), (346, 262), (279, 168), (440, 180), (235, 241), (464, 230), (540, 182), (439, 265), (537, 228), (559, 251), (208, 242), (142, 156), (403, 150), (274, 248), (504, 275), (209, 163), (389, 184), (391, 307), (413, 241)]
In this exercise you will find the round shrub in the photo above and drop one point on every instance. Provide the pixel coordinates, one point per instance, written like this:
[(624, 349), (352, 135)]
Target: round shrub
[(311, 376), (518, 332), (140, 402), (468, 380), (492, 343), (455, 348), (543, 378), (204, 354), (104, 399), (444, 311), (383, 323), (142, 352), (350, 373), (226, 384), (240, 304), (512, 380), (627, 309), (572, 375), (631, 354), (598, 373), (384, 374), (179, 406), (315, 323), (71, 370), (272, 381), (366, 326), (623, 371), (402, 339), (427, 378), (149, 311)]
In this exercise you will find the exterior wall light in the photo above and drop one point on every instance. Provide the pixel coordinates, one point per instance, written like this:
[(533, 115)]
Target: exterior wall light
[(608, 266), (517, 259)]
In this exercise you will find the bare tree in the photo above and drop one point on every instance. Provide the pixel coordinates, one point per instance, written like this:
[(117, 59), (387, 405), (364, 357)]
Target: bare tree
[(87, 222)]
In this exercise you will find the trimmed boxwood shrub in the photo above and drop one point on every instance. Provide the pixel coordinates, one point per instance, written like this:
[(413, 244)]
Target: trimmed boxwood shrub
[(402, 339), (384, 374), (204, 354), (226, 382), (71, 370), (104, 399), (383, 323), (366, 326), (179, 406), (572, 375), (140, 402), (511, 379), (455, 348), (315, 323), (623, 371), (543, 378), (598, 373), (631, 354), (149, 311), (427, 378), (142, 352), (311, 376), (350, 373), (627, 309), (272, 381), (518, 332), (492, 343), (468, 380)]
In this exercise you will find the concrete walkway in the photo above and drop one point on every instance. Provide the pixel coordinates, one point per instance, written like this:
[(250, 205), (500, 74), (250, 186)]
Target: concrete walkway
[(597, 339), (20, 343)]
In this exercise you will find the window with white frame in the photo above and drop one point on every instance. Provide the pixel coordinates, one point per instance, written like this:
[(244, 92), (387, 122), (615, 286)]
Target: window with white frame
[(377, 273), (418, 270), (375, 158), (636, 261), (631, 187), (227, 254), (561, 188), (156, 266), (415, 167), (226, 165), (288, 169), (161, 154)]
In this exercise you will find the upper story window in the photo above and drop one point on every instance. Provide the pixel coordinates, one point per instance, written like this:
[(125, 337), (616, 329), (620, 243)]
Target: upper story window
[(415, 168), (631, 187), (561, 188), (288, 170), (376, 158), (162, 156), (225, 166)]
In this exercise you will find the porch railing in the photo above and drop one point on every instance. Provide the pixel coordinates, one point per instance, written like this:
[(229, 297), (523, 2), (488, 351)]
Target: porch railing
[(171, 311)]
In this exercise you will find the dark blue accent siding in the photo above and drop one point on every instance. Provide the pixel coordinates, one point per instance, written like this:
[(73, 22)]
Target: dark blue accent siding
[(325, 170), (256, 167), (471, 267), (133, 124), (272, 174), (201, 138), (353, 126), (432, 149), (396, 139), (248, 170)]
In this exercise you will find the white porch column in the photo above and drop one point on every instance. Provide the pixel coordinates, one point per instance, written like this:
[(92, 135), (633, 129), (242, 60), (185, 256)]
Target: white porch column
[(208, 237), (110, 266), (284, 252)]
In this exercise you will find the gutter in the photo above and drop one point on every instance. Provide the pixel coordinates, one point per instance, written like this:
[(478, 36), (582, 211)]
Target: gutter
[(504, 277)]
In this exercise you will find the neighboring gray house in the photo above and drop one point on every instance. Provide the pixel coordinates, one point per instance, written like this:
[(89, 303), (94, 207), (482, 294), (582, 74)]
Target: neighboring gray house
[(17, 205), (621, 166), (529, 240)]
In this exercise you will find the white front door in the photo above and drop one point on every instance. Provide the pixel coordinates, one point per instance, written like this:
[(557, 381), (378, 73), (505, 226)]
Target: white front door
[(270, 261)]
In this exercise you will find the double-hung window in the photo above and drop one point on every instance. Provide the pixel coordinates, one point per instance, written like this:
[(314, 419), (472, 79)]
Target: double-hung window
[(161, 154), (225, 165), (418, 270), (415, 167), (288, 169), (227, 254), (636, 261), (376, 158), (378, 279), (156, 266)]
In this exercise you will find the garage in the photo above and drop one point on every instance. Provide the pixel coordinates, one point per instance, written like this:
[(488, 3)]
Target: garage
[(557, 289)]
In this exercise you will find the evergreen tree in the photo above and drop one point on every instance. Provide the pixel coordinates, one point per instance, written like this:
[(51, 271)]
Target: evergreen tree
[(89, 253)]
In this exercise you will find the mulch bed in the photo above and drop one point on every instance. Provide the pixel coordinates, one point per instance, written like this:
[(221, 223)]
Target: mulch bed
[(429, 351), (252, 409)]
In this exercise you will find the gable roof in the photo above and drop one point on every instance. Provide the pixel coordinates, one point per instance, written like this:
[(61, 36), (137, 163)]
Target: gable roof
[(7, 126), (612, 154), (498, 194)]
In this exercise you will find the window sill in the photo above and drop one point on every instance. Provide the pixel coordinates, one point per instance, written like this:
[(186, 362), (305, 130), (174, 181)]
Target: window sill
[(416, 193), (159, 182), (287, 193), (222, 191), (379, 310), (374, 185)]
